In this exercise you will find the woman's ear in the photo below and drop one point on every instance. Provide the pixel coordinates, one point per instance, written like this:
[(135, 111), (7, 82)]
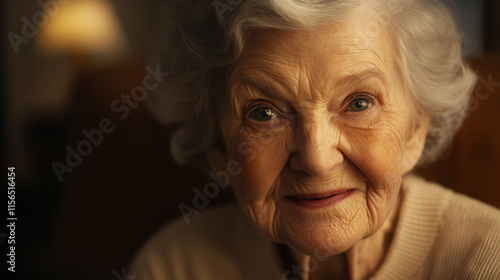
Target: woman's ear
[(415, 140)]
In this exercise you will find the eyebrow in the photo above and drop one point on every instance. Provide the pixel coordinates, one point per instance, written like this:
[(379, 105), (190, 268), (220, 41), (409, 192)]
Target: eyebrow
[(256, 83), (351, 80), (358, 78)]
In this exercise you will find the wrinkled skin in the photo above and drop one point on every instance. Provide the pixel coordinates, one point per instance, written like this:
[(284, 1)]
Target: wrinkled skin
[(314, 111)]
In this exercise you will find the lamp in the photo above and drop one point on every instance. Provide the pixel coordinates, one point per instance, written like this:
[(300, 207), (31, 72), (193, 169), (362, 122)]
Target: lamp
[(83, 28)]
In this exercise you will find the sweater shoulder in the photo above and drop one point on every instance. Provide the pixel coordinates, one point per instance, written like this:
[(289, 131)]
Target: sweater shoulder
[(216, 243), (467, 243), (178, 246), (456, 208), (436, 233), (471, 235)]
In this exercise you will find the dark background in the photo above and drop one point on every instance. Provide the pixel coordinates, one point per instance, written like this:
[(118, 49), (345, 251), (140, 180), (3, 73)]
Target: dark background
[(91, 224)]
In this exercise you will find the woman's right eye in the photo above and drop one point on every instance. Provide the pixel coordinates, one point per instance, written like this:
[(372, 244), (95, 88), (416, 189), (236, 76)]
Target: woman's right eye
[(263, 114)]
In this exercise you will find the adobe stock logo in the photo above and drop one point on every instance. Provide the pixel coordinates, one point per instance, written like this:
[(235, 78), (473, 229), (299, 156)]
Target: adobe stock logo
[(221, 7), (221, 179), (201, 200), (94, 137)]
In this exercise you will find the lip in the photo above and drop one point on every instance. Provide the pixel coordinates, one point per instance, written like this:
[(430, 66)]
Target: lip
[(319, 200)]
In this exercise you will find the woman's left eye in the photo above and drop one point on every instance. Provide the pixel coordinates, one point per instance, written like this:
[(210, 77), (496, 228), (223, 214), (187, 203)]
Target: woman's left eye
[(263, 114), (359, 104)]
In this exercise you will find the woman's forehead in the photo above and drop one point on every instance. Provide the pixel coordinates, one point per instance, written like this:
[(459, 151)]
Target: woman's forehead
[(324, 57), (340, 47)]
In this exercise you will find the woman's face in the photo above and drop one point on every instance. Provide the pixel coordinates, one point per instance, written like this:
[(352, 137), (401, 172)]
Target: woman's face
[(323, 129)]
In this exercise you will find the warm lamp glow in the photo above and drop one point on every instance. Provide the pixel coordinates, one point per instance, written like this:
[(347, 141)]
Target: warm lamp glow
[(83, 26)]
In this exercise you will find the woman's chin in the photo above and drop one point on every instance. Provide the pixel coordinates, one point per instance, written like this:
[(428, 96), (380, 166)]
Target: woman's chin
[(321, 241), (331, 231), (320, 248)]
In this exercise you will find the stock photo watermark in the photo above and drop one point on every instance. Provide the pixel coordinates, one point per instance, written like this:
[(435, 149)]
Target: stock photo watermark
[(479, 94), (201, 199), (30, 28), (121, 276), (94, 137), (222, 7), (11, 219), (296, 272), (210, 190)]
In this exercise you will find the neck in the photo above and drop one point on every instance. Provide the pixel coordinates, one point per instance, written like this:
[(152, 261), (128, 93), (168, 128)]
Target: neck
[(366, 256)]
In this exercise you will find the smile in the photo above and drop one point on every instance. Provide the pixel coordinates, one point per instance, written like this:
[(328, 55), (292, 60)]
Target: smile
[(319, 200)]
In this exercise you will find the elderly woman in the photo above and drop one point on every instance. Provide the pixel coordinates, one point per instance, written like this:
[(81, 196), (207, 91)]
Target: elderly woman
[(316, 113)]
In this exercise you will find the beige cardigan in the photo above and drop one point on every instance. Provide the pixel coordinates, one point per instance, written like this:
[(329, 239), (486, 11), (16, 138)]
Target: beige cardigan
[(439, 235)]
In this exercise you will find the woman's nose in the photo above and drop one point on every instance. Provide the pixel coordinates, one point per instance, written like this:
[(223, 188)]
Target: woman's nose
[(316, 148)]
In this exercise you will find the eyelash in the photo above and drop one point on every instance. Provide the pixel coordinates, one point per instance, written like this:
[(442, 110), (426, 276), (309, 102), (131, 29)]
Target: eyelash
[(261, 103), (249, 110), (356, 96), (257, 104)]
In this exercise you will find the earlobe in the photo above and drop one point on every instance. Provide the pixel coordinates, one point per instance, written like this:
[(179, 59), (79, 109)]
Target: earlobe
[(415, 141)]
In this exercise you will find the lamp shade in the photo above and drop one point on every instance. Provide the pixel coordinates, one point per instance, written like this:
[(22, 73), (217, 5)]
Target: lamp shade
[(83, 26)]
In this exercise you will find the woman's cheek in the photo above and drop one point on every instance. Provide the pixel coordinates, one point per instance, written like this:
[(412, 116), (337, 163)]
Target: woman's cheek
[(377, 152), (262, 159)]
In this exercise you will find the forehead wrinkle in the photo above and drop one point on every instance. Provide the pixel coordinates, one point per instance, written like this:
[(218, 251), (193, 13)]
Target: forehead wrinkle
[(260, 68), (311, 89), (349, 62), (371, 56), (362, 77), (261, 85), (379, 56)]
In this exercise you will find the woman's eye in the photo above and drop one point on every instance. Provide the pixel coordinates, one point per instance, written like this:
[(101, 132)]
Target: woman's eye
[(359, 104), (263, 114)]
